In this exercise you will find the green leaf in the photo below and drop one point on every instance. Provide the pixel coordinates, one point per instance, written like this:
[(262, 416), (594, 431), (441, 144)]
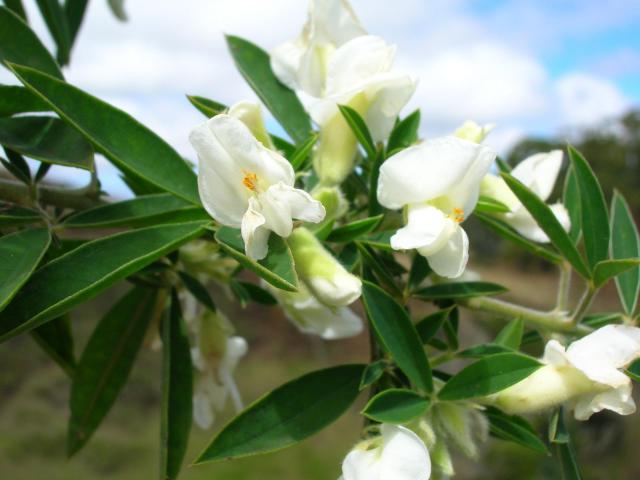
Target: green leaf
[(74, 11), (198, 290), (597, 320), (14, 99), (139, 211), (56, 21), (20, 254), (395, 405), (17, 166), (398, 335), (209, 108), (257, 294), (286, 148), (18, 44), (299, 156), (11, 215), (511, 335), (117, 8), (372, 260), (489, 375), (548, 222), (359, 129), (277, 267), (514, 429), (510, 234), (490, 205), (565, 455), (88, 270), (288, 414), (571, 200), (106, 362), (456, 290), (372, 373), (254, 65), (379, 240), (593, 208), (404, 133), (625, 243), (502, 165), (56, 339), (354, 230), (128, 144), (46, 139), (17, 7), (608, 269), (484, 350), (431, 324), (420, 269), (177, 391)]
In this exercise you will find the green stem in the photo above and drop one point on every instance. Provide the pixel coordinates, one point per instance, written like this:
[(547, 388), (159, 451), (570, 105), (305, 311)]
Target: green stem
[(564, 286), (583, 305), (553, 320), (20, 193)]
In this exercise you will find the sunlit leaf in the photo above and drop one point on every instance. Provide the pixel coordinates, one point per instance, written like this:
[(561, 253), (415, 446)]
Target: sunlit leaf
[(395, 405), (625, 243)]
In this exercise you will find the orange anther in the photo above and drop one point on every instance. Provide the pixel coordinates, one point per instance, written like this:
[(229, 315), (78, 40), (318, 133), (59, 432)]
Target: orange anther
[(250, 180)]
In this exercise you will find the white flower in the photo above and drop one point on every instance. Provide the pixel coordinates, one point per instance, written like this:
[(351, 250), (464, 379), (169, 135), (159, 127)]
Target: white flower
[(244, 184), (587, 375), (250, 114), (215, 357), (302, 63), (309, 315), (439, 182), (325, 276), (473, 132), (539, 173), (398, 454)]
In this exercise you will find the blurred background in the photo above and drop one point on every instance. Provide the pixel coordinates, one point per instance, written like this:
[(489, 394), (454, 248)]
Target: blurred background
[(544, 72)]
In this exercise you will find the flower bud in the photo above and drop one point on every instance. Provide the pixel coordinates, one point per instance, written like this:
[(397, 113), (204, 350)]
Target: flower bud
[(332, 200), (203, 257), (321, 272), (214, 330), (334, 157), (473, 132), (251, 115)]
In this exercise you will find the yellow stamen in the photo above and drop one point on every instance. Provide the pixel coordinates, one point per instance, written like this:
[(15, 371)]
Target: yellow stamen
[(458, 215), (250, 180)]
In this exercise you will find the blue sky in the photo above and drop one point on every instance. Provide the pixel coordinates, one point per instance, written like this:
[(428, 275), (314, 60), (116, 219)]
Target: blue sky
[(531, 67)]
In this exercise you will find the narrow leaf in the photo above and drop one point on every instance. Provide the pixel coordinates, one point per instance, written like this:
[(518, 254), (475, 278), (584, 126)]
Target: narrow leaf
[(511, 335), (608, 269), (106, 362), (420, 269), (288, 414), (548, 222), (359, 129), (74, 10), (209, 108), (571, 200), (18, 44), (258, 294), (88, 270), (395, 405), (198, 290), (56, 339), (17, 7), (299, 156), (593, 208), (510, 234), (177, 391), (46, 139), (354, 230), (56, 22), (372, 373), (20, 254), (117, 8), (12, 215), (514, 429), (404, 133), (431, 324), (14, 99), (139, 211), (456, 290), (489, 375), (277, 268), (625, 243), (398, 335), (128, 144), (254, 65), (490, 205)]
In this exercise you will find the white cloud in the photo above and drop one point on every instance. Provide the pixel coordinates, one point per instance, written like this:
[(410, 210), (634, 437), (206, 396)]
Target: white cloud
[(585, 100)]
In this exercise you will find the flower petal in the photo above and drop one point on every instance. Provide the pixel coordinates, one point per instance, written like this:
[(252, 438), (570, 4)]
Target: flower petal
[(600, 354), (451, 260), (404, 456), (250, 114), (202, 410), (254, 233), (387, 95), (429, 170), (361, 465), (427, 227), (618, 400), (539, 172), (285, 62)]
